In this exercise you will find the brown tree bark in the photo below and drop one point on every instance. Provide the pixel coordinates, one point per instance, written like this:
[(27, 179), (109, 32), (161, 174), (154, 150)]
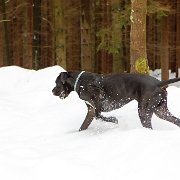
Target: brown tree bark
[(109, 56), (73, 34), (6, 55), (177, 37), (87, 40), (172, 35), (36, 51), (104, 59), (151, 43), (51, 34), (46, 35), (44, 46), (1, 38), (28, 63), (164, 49), (119, 31), (18, 38), (138, 35), (59, 30)]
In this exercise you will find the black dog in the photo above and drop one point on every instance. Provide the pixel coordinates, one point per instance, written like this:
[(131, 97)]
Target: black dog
[(103, 93)]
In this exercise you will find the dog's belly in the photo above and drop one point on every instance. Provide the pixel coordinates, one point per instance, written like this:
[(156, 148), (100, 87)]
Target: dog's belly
[(109, 104)]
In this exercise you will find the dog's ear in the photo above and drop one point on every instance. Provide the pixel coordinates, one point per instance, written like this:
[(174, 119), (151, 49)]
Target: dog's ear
[(63, 77)]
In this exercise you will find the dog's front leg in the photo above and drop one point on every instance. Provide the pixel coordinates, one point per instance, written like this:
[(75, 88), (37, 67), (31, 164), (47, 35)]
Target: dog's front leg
[(89, 117)]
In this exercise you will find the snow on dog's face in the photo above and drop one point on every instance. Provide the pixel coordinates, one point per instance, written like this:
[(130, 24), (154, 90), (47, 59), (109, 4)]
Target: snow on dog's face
[(63, 86)]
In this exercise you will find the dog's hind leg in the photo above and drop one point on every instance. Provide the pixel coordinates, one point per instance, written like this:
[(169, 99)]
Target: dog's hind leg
[(89, 117), (108, 119), (103, 118), (145, 115), (162, 112)]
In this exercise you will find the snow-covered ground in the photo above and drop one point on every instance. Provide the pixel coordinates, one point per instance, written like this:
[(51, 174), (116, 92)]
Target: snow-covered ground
[(39, 138)]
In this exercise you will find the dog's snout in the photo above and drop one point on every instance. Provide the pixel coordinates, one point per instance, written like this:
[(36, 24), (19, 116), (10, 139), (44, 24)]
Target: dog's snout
[(54, 91)]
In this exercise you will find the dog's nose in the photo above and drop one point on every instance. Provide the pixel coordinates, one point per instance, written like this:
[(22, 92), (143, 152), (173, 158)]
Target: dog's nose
[(53, 91)]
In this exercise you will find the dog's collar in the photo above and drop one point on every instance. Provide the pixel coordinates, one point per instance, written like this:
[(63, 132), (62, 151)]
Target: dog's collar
[(77, 79)]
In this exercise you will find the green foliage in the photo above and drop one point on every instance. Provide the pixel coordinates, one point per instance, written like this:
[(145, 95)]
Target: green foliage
[(121, 16), (141, 65), (109, 42), (110, 36)]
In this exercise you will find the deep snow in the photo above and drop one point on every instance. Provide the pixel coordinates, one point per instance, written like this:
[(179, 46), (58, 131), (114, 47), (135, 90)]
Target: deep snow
[(39, 136)]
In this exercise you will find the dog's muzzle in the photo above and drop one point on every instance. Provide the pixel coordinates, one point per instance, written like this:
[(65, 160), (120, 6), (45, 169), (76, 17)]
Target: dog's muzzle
[(62, 95), (56, 92)]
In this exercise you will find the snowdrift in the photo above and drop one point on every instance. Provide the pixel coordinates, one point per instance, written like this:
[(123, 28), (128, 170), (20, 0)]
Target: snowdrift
[(39, 136)]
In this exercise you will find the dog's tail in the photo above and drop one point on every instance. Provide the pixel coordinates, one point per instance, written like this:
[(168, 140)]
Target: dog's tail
[(170, 81)]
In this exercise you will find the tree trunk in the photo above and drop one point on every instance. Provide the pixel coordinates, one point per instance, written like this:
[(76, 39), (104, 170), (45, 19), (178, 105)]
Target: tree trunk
[(138, 56), (177, 37), (36, 34), (50, 36), (73, 34), (104, 59), (1, 38), (150, 28), (119, 61), (28, 60), (164, 48), (7, 59), (43, 34), (87, 41), (172, 36), (59, 28), (46, 35), (18, 30), (109, 56), (93, 32)]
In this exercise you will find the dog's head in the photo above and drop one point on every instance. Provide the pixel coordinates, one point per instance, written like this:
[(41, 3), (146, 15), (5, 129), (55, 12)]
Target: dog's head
[(63, 85)]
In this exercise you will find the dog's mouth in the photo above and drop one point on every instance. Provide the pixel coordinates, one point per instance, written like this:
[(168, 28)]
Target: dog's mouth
[(62, 95)]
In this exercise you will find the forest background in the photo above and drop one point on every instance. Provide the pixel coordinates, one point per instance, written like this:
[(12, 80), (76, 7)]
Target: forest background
[(102, 36)]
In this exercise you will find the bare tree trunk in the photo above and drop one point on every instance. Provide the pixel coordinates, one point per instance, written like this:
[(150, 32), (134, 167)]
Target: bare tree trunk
[(7, 60), (150, 28), (73, 34), (118, 58), (43, 33), (1, 38), (29, 59), (18, 38), (87, 40), (85, 36), (104, 59), (36, 33), (164, 48), (138, 56), (49, 46), (172, 35), (59, 28), (13, 39), (98, 24), (109, 56), (46, 35), (93, 32), (177, 37)]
